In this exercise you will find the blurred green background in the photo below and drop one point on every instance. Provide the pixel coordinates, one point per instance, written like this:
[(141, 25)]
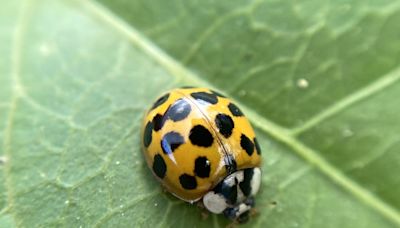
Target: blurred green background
[(318, 79)]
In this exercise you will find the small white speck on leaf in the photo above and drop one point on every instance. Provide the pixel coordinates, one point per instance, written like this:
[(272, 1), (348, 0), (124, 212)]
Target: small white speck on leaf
[(121, 206), (46, 49), (302, 83), (117, 162), (3, 160), (156, 204), (66, 202), (77, 218)]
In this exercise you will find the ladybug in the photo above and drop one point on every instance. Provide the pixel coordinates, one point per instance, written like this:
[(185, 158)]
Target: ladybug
[(200, 146)]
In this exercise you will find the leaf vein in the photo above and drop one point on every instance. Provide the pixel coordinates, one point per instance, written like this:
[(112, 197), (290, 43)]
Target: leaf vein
[(209, 31)]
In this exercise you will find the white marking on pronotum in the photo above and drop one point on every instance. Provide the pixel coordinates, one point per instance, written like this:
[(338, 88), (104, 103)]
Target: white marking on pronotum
[(240, 195), (239, 176), (242, 208), (214, 202), (255, 181), (3, 160), (46, 49), (230, 180)]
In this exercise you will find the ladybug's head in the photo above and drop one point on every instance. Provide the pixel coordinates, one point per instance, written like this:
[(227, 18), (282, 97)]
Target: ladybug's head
[(234, 195)]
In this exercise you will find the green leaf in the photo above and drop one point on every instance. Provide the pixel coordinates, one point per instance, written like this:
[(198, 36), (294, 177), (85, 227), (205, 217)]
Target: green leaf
[(319, 80)]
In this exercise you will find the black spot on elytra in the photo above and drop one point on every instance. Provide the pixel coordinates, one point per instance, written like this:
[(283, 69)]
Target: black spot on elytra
[(225, 124), (247, 144), (230, 163), (258, 148), (159, 166), (147, 135), (234, 110), (200, 136), (171, 141), (158, 122), (217, 93), (207, 97), (202, 167), (187, 181), (160, 101), (178, 111), (245, 185)]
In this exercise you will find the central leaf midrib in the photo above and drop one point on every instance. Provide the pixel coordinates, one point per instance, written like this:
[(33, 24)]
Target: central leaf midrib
[(279, 133)]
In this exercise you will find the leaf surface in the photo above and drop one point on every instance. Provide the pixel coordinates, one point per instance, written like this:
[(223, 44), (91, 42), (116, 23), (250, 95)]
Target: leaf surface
[(319, 80)]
